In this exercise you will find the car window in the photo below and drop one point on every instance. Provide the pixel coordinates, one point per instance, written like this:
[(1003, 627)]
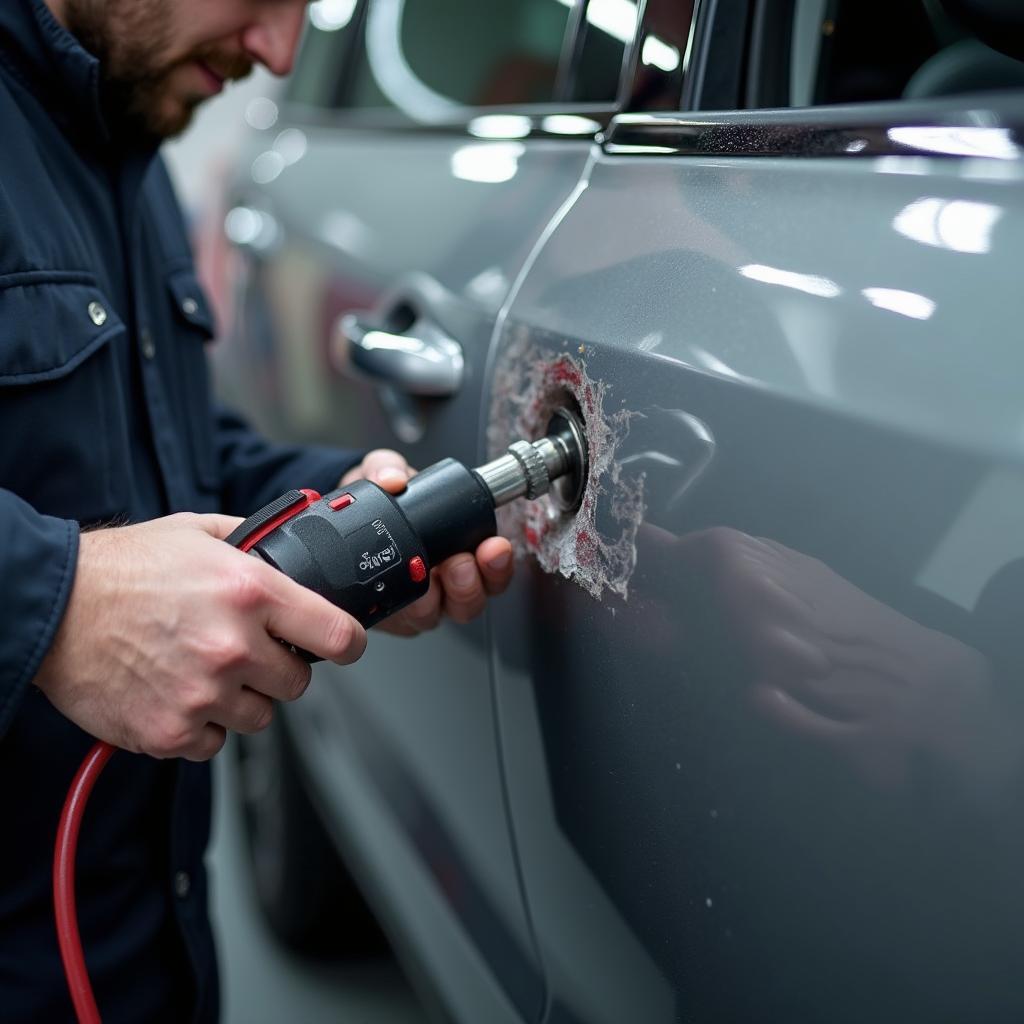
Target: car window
[(326, 47), (607, 32), (433, 58), (860, 51), (661, 56), (608, 27)]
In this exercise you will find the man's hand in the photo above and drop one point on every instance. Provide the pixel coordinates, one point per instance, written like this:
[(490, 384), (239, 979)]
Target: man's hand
[(824, 660), (169, 638), (459, 586)]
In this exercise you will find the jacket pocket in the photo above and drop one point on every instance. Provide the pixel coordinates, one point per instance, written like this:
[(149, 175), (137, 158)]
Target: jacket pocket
[(194, 324), (62, 419)]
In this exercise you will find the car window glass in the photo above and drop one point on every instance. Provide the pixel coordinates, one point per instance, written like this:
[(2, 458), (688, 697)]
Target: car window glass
[(664, 36), (325, 47), (608, 28), (433, 58), (860, 51)]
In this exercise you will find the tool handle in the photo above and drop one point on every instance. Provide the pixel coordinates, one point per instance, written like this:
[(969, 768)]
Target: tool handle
[(353, 546)]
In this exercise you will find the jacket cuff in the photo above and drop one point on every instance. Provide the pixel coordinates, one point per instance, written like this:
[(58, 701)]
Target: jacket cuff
[(38, 557)]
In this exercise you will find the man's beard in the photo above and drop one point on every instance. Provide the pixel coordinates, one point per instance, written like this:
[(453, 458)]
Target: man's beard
[(132, 38)]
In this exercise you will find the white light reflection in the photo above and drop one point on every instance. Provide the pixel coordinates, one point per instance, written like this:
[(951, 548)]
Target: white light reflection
[(243, 225), (918, 165), (711, 362), (292, 145), (917, 307), (659, 54), (809, 283), (995, 143), (345, 231), (401, 343), (616, 17), (250, 228), (958, 224), (620, 148), (490, 286), (500, 126), (331, 15), (261, 113), (569, 124), (267, 166), (489, 162)]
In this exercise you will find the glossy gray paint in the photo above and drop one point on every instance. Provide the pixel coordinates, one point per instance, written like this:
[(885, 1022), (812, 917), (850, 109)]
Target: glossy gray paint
[(781, 782)]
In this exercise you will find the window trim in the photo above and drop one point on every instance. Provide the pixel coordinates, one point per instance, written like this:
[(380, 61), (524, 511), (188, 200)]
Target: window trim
[(716, 76), (896, 128), (390, 120)]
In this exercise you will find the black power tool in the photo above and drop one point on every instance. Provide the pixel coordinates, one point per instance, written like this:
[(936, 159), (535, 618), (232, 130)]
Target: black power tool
[(370, 552)]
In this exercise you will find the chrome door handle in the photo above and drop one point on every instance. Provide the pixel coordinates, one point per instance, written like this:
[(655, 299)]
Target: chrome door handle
[(425, 362)]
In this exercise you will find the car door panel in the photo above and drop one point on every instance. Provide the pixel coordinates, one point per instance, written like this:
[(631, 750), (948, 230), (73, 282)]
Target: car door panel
[(404, 228), (775, 781)]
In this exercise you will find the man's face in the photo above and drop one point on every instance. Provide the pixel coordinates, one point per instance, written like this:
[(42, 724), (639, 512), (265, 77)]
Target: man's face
[(161, 58)]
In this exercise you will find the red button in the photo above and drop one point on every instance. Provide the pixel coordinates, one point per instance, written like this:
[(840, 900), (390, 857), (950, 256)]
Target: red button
[(341, 501), (417, 570)]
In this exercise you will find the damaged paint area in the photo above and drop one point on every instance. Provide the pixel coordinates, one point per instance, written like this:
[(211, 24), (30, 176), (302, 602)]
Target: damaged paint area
[(596, 545)]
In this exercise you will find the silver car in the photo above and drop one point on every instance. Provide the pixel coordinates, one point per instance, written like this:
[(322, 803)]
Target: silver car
[(745, 740)]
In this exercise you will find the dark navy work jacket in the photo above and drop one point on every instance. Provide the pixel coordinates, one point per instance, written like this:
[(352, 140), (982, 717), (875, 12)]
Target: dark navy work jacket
[(105, 416)]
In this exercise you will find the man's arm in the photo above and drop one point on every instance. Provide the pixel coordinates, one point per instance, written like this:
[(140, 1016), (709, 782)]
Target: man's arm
[(255, 471), (37, 566)]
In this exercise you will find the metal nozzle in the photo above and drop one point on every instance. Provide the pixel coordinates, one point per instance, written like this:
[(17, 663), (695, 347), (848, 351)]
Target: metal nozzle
[(556, 463)]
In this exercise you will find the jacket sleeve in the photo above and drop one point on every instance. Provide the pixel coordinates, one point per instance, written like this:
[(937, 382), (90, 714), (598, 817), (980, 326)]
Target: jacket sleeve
[(255, 471), (38, 555)]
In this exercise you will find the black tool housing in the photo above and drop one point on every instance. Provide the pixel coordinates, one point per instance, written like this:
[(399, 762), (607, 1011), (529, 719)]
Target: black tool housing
[(370, 552)]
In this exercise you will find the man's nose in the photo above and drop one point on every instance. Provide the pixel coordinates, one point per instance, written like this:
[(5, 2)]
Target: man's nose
[(273, 37)]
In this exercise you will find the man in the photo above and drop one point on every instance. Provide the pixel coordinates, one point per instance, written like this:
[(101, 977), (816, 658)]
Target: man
[(156, 636)]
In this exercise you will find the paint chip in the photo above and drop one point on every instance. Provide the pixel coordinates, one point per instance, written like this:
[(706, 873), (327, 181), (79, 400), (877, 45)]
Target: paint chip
[(595, 547)]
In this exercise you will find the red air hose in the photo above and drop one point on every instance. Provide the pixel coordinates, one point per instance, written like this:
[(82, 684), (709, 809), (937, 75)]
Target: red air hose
[(66, 913), (64, 883)]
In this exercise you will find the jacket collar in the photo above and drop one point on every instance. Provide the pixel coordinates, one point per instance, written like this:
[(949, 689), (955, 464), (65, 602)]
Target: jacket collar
[(54, 66)]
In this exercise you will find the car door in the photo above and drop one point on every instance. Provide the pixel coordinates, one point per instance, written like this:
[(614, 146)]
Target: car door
[(418, 154), (759, 697)]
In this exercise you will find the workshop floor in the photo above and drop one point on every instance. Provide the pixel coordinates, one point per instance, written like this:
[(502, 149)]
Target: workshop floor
[(260, 983)]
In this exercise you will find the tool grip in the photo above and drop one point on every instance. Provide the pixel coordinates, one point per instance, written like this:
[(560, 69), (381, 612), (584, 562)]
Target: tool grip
[(353, 546), (365, 550)]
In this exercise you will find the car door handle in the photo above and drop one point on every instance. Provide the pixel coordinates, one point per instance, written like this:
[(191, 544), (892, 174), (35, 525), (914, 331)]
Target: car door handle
[(420, 361)]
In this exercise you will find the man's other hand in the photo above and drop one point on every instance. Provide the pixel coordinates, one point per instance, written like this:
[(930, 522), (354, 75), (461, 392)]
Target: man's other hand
[(459, 586)]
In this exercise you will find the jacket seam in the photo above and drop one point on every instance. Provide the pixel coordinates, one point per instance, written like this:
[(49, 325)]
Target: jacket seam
[(46, 636), (27, 278)]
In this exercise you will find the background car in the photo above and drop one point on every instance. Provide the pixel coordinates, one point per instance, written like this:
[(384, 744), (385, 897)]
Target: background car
[(744, 740)]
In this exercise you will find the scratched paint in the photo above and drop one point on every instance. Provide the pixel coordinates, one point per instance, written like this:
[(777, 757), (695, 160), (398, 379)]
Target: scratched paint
[(529, 384)]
